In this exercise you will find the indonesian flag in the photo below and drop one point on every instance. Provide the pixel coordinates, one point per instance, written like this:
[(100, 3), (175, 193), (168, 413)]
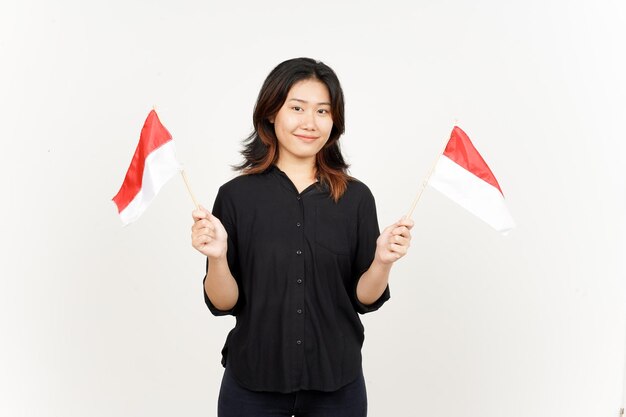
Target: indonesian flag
[(153, 164), (462, 175)]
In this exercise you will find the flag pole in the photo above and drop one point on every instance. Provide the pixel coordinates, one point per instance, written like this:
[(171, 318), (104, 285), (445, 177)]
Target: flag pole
[(182, 172), (430, 173), (422, 188)]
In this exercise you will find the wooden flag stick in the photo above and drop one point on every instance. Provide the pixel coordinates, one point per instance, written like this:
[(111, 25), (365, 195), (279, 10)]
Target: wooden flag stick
[(182, 172), (422, 188), (430, 173)]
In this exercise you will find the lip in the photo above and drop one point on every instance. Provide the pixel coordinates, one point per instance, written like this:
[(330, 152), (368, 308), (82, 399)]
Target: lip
[(306, 138)]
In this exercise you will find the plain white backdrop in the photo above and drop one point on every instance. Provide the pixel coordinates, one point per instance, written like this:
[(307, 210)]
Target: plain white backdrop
[(100, 320)]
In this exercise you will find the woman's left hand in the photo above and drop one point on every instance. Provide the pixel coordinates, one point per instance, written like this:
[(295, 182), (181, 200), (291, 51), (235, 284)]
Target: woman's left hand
[(393, 243)]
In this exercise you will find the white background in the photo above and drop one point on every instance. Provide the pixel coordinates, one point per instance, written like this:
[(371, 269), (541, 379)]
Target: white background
[(100, 320)]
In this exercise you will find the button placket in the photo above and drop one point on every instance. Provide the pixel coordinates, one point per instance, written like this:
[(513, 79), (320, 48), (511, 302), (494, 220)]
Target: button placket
[(299, 299)]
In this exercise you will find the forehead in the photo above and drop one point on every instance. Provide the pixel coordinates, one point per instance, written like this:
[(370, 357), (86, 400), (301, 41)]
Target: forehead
[(311, 90)]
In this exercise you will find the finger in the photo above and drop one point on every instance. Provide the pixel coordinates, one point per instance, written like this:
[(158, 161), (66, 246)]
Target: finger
[(202, 224), (399, 249), (202, 213), (203, 232), (206, 224), (199, 241), (402, 230), (395, 254), (400, 240), (198, 215), (399, 230), (409, 223)]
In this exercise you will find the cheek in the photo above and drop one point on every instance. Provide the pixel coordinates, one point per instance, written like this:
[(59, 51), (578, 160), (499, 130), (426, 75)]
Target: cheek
[(327, 126), (285, 124)]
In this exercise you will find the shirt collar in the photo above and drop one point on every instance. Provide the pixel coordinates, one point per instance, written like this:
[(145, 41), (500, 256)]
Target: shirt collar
[(286, 181)]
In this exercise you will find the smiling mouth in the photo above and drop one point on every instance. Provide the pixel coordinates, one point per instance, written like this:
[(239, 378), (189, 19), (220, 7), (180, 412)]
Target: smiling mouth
[(307, 138)]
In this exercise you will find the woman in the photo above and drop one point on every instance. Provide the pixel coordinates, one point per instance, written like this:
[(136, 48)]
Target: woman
[(294, 252)]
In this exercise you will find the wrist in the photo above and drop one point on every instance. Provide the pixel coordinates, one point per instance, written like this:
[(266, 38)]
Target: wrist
[(217, 259), (381, 264)]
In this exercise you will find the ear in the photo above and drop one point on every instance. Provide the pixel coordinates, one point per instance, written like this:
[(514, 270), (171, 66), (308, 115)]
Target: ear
[(271, 119)]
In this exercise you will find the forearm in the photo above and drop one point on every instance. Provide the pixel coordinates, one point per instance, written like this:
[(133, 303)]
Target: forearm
[(220, 285), (373, 282)]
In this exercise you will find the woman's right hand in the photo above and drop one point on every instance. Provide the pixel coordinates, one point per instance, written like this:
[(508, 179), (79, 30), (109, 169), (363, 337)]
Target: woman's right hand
[(208, 235)]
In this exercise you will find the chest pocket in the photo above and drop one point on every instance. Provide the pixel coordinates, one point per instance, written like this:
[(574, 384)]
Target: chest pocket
[(332, 232)]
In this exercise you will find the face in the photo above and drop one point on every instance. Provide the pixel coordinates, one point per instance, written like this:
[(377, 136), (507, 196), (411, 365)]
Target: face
[(304, 122)]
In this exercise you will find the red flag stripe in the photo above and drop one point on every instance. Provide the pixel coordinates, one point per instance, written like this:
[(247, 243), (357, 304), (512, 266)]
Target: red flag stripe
[(461, 150), (153, 135)]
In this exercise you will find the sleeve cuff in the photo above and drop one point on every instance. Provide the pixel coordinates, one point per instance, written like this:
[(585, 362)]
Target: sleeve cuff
[(363, 308), (212, 308)]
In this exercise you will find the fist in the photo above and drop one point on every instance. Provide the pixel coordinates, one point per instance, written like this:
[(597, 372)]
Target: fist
[(208, 235), (393, 243)]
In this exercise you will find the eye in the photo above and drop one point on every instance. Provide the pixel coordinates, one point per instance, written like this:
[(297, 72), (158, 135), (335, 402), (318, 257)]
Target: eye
[(296, 108), (323, 111)]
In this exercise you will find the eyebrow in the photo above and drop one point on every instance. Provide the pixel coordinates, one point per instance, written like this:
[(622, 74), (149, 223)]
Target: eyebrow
[(306, 102)]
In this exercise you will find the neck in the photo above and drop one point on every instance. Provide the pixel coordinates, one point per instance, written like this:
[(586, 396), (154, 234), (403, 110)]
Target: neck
[(298, 169)]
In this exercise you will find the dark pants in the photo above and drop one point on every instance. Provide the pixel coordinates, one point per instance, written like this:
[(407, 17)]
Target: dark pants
[(236, 401)]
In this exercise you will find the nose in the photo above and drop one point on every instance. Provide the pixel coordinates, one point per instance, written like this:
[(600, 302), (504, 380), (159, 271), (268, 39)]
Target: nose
[(308, 120)]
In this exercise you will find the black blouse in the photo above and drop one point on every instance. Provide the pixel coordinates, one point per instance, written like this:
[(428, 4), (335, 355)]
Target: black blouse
[(297, 258)]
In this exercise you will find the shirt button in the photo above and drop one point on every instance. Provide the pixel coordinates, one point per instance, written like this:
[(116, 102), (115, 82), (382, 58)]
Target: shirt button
[(298, 224), (299, 280), (299, 311), (299, 342), (298, 252), (298, 197)]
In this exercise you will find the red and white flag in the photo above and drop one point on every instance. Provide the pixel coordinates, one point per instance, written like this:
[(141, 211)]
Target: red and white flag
[(153, 164), (462, 175)]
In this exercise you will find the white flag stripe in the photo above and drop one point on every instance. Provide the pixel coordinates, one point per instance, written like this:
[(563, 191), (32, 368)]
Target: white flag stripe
[(472, 193), (160, 166)]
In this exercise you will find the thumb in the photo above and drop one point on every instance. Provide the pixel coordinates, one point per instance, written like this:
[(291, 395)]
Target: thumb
[(215, 221), (406, 221), (201, 207)]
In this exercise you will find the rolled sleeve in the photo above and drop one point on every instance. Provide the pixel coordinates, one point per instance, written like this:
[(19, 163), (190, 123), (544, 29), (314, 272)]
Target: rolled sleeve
[(368, 308), (367, 233), (224, 211)]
